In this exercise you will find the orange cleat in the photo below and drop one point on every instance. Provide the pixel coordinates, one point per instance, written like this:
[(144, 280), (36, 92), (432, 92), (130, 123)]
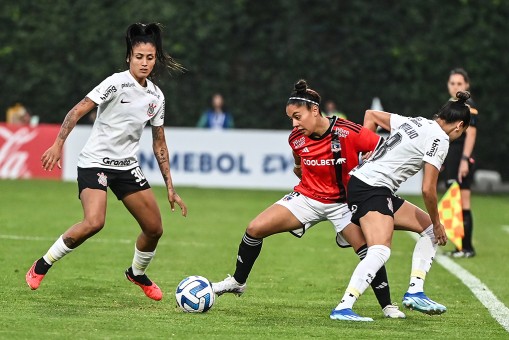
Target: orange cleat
[(33, 279), (150, 289)]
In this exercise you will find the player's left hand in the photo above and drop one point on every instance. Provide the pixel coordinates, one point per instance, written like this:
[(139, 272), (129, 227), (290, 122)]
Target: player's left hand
[(173, 197), (440, 235), (462, 171)]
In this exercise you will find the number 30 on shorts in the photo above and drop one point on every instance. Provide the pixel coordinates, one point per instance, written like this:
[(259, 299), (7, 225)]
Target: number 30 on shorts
[(136, 172)]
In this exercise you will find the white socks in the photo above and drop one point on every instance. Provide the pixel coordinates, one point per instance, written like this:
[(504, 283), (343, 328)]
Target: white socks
[(422, 258), (57, 251), (141, 260), (364, 273)]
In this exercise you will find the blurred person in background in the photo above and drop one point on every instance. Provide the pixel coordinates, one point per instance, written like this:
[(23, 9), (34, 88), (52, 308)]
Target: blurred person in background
[(459, 164), (125, 102), (216, 117), (331, 110)]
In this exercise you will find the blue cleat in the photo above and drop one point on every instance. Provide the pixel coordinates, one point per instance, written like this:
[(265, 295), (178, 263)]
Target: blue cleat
[(347, 314), (420, 302)]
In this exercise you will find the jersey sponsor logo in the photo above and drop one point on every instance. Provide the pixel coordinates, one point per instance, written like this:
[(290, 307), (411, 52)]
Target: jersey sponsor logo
[(151, 110), (111, 89), (341, 133), (416, 121), (149, 91), (124, 85), (116, 162), (434, 148), (299, 142), (324, 162), (102, 179), (335, 146), (409, 130)]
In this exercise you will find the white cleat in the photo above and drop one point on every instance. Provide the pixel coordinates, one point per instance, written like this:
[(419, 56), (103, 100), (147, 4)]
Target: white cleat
[(228, 285), (393, 312)]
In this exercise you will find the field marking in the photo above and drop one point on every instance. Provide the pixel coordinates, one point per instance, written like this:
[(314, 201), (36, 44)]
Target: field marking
[(496, 308)]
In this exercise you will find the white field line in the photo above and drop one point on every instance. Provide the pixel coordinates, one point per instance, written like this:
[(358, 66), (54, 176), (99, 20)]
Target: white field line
[(496, 308)]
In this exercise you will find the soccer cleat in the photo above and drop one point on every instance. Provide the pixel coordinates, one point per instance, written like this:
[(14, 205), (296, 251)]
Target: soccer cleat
[(393, 312), (420, 302), (32, 278), (347, 314), (150, 289), (463, 254), (228, 285)]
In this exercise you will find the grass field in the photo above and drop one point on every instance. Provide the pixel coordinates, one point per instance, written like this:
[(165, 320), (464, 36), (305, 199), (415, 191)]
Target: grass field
[(292, 289)]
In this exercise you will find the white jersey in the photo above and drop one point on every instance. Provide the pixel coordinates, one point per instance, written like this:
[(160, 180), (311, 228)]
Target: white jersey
[(124, 108), (412, 142)]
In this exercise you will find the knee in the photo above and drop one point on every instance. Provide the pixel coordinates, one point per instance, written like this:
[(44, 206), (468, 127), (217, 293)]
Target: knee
[(94, 224), (255, 229), (154, 232)]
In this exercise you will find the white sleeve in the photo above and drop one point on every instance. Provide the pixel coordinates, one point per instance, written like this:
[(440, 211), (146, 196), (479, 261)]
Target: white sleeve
[(396, 121), (104, 92), (435, 151), (158, 118)]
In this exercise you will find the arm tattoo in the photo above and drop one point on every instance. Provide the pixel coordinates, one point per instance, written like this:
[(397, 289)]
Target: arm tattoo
[(71, 119), (161, 153), (70, 242)]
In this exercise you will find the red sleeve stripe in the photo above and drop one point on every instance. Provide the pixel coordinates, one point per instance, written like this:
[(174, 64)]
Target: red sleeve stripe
[(351, 125)]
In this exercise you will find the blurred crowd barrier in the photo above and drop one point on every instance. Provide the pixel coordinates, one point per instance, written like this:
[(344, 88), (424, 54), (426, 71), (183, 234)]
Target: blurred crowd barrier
[(245, 159)]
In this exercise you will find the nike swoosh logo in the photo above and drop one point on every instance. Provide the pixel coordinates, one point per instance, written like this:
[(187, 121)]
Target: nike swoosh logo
[(123, 101), (142, 183)]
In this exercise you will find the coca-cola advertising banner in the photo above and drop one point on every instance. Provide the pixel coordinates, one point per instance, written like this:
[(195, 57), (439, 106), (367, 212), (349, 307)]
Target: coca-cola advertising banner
[(21, 148)]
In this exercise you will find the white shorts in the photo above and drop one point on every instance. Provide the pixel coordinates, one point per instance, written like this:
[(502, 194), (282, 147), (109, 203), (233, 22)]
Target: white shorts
[(310, 212)]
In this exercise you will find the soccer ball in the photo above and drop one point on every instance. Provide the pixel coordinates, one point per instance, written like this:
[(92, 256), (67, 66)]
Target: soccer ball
[(194, 294)]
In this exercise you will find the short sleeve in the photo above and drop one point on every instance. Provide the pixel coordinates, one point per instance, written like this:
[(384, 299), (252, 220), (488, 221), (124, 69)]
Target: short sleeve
[(104, 92), (396, 121), (435, 151), (158, 118), (367, 140)]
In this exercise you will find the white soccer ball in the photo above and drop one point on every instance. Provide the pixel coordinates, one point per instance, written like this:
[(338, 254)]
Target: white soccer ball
[(194, 294)]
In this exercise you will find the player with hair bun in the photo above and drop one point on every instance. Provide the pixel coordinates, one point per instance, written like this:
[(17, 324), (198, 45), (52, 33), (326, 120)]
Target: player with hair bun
[(414, 144), (126, 102), (325, 150)]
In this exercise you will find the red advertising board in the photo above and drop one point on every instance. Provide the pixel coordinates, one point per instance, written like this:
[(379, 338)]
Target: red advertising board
[(21, 148)]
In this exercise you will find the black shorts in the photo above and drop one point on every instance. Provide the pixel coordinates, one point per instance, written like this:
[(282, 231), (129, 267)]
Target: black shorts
[(121, 182), (452, 164), (363, 198)]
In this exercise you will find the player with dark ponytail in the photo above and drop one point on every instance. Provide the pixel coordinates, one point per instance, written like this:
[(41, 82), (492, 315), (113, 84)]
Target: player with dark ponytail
[(126, 102), (414, 144), (324, 150)]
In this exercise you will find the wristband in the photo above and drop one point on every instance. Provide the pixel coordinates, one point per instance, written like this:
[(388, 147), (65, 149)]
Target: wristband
[(465, 158)]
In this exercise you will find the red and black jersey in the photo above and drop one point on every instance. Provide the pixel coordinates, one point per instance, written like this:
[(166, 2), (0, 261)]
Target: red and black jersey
[(327, 160)]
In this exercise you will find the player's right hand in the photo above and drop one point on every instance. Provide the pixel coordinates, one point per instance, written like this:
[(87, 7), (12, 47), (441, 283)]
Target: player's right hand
[(440, 235), (51, 157)]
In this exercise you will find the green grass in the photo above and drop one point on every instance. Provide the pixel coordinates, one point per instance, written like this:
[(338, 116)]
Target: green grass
[(292, 289)]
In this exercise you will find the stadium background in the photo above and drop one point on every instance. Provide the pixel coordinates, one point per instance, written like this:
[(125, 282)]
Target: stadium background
[(54, 52)]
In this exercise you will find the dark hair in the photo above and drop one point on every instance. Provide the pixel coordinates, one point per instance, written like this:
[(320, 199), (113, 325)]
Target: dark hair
[(456, 110), (302, 95), (150, 34), (461, 72)]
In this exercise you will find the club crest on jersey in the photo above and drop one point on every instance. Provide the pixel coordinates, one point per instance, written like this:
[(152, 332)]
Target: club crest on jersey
[(151, 110), (290, 196), (103, 179), (299, 142), (335, 146)]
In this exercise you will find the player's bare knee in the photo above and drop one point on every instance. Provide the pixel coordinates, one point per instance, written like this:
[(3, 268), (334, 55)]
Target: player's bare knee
[(154, 233), (255, 229), (94, 224)]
